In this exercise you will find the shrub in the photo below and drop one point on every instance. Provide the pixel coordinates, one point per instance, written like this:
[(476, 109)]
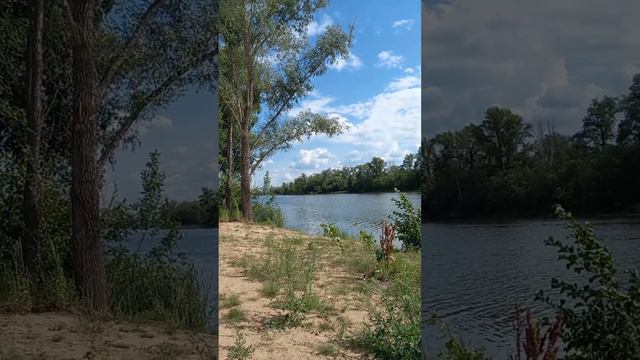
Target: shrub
[(602, 320), (394, 331), (267, 214), (333, 231), (240, 350), (407, 222), (160, 284)]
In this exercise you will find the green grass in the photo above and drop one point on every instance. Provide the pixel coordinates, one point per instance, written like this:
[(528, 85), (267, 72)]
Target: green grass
[(235, 315), (328, 349), (230, 301), (270, 288)]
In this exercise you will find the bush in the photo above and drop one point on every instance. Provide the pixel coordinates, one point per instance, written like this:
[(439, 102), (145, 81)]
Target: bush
[(407, 222), (602, 320), (267, 214), (333, 231), (160, 284), (394, 332)]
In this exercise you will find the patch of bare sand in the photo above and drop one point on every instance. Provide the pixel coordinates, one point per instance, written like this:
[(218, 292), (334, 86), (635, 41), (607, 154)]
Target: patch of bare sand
[(64, 335), (316, 337)]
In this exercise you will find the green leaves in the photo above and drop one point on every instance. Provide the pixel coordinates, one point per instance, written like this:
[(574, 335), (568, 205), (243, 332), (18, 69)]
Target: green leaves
[(602, 318), (407, 222)]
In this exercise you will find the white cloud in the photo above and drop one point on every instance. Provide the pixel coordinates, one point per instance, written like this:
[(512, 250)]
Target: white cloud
[(313, 159), (315, 28), (404, 83), (402, 24), (389, 126), (388, 59), (351, 62)]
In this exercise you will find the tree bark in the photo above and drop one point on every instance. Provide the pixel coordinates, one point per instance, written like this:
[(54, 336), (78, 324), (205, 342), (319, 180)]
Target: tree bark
[(229, 195), (31, 237), (245, 173), (86, 245)]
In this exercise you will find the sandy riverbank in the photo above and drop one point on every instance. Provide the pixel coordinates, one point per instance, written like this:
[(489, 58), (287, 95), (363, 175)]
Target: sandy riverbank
[(318, 335), (65, 335)]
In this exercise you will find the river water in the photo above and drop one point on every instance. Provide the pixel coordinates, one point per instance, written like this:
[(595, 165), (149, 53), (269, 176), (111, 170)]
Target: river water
[(475, 273), (350, 212)]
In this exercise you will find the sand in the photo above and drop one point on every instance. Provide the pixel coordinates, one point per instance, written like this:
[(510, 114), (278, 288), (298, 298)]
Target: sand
[(66, 335), (304, 342)]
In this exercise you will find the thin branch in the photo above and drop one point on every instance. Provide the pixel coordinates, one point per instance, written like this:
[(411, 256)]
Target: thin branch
[(126, 124), (128, 46), (281, 109)]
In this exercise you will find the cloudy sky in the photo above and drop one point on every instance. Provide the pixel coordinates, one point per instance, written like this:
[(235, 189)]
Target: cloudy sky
[(544, 59), (376, 90), (185, 134)]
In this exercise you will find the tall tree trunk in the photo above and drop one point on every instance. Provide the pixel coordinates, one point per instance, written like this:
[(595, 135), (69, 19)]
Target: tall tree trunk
[(245, 173), (228, 183), (86, 246), (31, 237)]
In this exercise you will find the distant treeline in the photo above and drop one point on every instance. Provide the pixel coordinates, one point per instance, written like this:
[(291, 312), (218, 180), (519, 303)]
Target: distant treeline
[(373, 176), (504, 166), (201, 212)]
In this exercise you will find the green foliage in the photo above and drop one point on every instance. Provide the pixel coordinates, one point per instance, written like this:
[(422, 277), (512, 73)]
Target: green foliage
[(456, 350), (498, 168), (240, 350), (160, 284), (267, 214), (334, 232), (370, 177), (407, 221), (601, 315), (394, 331)]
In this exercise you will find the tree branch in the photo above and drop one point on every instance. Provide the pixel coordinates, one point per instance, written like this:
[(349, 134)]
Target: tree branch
[(125, 125), (122, 55), (280, 110)]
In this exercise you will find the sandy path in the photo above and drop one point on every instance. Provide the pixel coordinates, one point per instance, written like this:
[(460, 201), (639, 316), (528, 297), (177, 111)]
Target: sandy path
[(304, 342), (63, 335)]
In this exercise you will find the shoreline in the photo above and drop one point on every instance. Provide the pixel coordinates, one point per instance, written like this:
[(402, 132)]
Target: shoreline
[(241, 292), (294, 295)]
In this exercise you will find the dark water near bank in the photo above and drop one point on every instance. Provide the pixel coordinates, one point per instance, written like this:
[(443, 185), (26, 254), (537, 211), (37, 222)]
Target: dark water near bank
[(350, 212), (201, 247), (474, 274)]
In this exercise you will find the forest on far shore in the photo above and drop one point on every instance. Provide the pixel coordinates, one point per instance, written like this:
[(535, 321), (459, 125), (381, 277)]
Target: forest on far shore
[(374, 176), (504, 166)]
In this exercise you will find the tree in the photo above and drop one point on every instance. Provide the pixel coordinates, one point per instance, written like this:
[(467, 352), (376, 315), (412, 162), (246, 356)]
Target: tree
[(260, 93), (504, 132), (162, 47), (629, 128), (598, 124), (32, 236)]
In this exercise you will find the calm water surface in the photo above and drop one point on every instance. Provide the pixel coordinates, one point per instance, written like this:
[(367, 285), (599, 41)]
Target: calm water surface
[(474, 274), (350, 212)]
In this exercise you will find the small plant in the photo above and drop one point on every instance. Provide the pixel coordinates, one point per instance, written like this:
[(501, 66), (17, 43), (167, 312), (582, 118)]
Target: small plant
[(367, 239), (455, 349), (270, 288), (536, 345), (229, 302), (407, 222), (386, 242), (240, 350), (602, 320), (235, 315), (328, 349)]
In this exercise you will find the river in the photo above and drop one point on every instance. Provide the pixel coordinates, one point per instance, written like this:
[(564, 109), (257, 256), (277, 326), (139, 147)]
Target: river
[(475, 273), (350, 212)]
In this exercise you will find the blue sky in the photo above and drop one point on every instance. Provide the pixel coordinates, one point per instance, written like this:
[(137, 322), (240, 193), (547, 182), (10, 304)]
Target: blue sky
[(376, 90)]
